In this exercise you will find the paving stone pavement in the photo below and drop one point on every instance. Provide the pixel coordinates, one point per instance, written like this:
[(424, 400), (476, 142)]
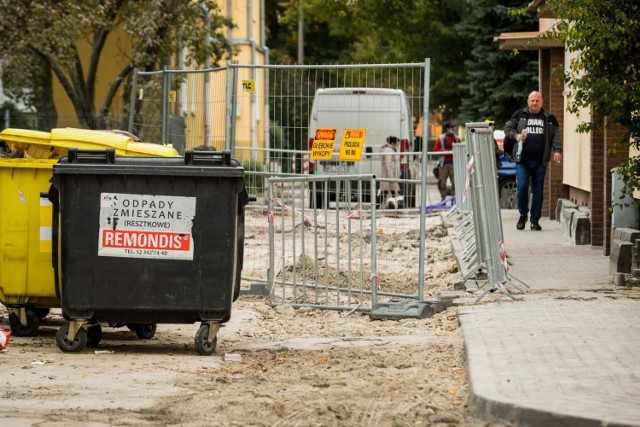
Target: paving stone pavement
[(564, 354)]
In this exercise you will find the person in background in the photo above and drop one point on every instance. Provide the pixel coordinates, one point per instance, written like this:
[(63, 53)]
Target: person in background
[(406, 188), (531, 135), (389, 168), (445, 143)]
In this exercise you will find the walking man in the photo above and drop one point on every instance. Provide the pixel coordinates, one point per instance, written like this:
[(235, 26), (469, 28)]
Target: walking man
[(531, 136)]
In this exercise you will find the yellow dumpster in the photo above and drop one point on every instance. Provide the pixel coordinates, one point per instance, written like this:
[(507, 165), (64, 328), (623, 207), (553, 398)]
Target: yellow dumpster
[(27, 286)]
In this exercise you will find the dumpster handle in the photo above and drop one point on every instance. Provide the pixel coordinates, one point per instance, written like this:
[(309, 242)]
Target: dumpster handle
[(204, 157), (108, 155)]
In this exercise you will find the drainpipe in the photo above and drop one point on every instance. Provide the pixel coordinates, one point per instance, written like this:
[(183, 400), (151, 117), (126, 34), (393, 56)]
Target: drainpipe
[(253, 108), (207, 80)]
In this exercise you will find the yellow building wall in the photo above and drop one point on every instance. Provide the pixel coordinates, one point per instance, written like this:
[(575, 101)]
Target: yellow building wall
[(251, 113), (113, 59), (576, 147), (576, 151), (251, 121)]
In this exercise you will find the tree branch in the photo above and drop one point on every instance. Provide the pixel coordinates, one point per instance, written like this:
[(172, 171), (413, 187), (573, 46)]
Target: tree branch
[(64, 81), (114, 89), (99, 39)]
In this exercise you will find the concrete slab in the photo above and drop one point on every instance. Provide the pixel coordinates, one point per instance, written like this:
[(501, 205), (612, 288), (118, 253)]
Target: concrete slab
[(555, 361)]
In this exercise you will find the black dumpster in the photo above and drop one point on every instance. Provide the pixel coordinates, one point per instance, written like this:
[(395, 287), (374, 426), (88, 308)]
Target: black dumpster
[(148, 240)]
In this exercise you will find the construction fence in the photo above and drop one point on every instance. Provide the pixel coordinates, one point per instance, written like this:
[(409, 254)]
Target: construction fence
[(264, 115)]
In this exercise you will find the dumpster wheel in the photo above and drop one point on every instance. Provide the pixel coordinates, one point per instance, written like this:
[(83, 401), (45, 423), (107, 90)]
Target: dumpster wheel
[(76, 344), (41, 312), (29, 325), (94, 333), (207, 339), (144, 331)]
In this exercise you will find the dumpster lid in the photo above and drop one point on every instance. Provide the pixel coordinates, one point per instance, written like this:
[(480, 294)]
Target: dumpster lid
[(97, 139), (25, 136), (105, 162), (56, 142)]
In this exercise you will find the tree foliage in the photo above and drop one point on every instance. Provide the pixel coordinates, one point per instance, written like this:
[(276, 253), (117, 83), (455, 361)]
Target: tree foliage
[(470, 77), (323, 44), (378, 31), (604, 75), (16, 119), (41, 38), (497, 82)]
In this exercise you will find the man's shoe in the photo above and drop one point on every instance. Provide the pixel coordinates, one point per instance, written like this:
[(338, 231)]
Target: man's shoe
[(521, 222), (535, 226)]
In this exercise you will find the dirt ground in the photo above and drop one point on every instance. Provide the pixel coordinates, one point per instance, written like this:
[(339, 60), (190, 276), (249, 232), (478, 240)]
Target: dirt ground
[(273, 366)]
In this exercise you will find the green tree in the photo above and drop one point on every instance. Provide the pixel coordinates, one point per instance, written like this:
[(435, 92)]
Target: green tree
[(29, 79), (41, 38), (378, 31), (498, 82), (605, 74), (431, 32), (16, 118), (322, 45)]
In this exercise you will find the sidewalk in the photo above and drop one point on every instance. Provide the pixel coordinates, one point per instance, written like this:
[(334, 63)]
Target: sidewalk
[(564, 354)]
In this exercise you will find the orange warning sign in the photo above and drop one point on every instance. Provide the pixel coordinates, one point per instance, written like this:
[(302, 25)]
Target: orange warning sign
[(323, 143), (352, 143)]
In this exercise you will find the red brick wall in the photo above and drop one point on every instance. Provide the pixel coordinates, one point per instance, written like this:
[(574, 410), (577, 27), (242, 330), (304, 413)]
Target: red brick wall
[(551, 88), (598, 210), (544, 73), (602, 161), (613, 135)]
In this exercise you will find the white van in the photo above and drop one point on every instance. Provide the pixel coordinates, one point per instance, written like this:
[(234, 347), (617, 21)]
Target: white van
[(382, 112)]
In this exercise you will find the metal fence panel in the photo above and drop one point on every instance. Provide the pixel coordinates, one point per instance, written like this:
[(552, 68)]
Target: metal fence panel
[(286, 94), (321, 258), (185, 108), (343, 258), (231, 114)]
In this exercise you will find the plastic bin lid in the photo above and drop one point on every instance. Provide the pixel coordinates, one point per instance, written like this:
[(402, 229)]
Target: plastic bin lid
[(25, 136), (150, 149), (100, 139), (86, 139), (27, 163)]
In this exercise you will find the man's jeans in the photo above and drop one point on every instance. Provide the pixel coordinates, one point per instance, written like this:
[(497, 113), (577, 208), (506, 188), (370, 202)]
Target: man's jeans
[(526, 172)]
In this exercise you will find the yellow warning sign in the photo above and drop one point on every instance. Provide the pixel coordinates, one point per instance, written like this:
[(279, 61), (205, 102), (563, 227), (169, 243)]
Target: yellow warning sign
[(323, 144), (249, 85), (172, 96), (352, 143)]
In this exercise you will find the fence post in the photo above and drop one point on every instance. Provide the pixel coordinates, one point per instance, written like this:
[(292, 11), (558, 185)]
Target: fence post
[(232, 105), (206, 122), (132, 103), (165, 105), (423, 187)]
